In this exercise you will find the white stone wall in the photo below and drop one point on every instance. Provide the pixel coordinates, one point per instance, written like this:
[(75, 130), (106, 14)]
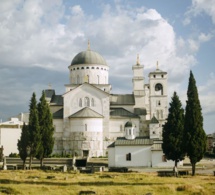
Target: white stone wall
[(140, 156), (111, 157), (9, 139), (90, 73)]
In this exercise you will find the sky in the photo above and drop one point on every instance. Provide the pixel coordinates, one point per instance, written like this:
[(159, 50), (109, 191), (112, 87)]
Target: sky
[(39, 39)]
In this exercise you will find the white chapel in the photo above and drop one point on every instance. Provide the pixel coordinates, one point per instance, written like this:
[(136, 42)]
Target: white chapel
[(88, 117)]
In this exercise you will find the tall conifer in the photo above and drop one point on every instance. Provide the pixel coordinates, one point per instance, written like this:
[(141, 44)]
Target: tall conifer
[(34, 129), (195, 137), (23, 144), (46, 129), (173, 131)]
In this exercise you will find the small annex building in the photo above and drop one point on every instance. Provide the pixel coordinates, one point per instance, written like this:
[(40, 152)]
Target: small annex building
[(132, 151)]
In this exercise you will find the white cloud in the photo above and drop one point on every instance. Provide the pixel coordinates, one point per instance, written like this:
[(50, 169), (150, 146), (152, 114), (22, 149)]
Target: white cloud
[(198, 7), (46, 34), (207, 95)]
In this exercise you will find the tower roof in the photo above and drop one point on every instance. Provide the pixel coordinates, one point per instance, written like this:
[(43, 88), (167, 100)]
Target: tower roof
[(154, 120), (88, 57)]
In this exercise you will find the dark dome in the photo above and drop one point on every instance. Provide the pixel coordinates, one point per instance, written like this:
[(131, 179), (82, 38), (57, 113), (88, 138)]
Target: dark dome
[(88, 57), (128, 124)]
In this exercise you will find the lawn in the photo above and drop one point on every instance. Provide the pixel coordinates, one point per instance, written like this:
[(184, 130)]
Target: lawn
[(37, 182)]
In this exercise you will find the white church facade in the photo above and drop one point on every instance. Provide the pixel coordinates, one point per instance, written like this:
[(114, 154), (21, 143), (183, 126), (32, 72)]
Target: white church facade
[(88, 117)]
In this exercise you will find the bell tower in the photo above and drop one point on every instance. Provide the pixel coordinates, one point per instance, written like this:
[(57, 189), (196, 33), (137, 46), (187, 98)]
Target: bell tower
[(138, 84), (158, 95)]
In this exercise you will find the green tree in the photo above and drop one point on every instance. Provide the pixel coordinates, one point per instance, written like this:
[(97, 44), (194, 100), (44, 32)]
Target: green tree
[(34, 129), (195, 137), (173, 131), (23, 144), (46, 129)]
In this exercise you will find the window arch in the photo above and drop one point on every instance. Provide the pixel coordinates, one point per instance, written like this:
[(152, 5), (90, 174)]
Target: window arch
[(158, 89), (78, 79), (86, 102), (92, 102), (80, 102), (98, 79)]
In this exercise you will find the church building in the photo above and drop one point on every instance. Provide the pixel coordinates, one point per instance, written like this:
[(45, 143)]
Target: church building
[(88, 117)]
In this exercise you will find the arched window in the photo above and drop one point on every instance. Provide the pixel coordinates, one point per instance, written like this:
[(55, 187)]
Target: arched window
[(98, 78), (86, 102), (161, 114), (92, 102), (87, 79), (85, 127), (158, 89), (80, 102), (78, 79)]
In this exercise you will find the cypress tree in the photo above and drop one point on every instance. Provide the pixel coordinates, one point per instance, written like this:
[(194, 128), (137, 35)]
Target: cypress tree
[(195, 137), (46, 129), (34, 129), (173, 131), (23, 144)]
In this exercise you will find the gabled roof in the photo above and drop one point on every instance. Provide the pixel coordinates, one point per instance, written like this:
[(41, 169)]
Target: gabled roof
[(122, 99), (87, 84), (58, 114), (122, 141), (86, 113), (121, 113), (154, 120), (140, 111)]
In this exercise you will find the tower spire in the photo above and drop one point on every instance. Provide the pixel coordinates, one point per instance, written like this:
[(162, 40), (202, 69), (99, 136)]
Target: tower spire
[(157, 66), (88, 45), (138, 59)]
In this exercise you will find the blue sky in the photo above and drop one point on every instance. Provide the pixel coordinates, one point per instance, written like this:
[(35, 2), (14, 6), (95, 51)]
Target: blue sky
[(39, 39)]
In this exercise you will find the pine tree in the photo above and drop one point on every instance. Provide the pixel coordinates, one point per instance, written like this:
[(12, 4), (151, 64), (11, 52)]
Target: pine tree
[(34, 129), (46, 129), (23, 144), (195, 137), (173, 131)]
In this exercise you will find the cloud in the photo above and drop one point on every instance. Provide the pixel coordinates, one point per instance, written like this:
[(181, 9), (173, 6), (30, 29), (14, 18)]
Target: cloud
[(207, 95), (40, 38), (198, 7)]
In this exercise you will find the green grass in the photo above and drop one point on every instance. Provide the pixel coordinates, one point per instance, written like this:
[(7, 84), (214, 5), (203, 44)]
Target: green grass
[(39, 182)]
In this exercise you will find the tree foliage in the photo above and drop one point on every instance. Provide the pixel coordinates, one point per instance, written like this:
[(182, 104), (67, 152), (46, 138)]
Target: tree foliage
[(46, 129), (173, 131), (34, 129), (23, 143), (195, 137)]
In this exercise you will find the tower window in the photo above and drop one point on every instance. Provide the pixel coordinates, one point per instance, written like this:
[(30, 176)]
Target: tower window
[(154, 76), (85, 126), (162, 76), (92, 68), (87, 67), (82, 67), (77, 68), (97, 68), (158, 89), (73, 68)]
